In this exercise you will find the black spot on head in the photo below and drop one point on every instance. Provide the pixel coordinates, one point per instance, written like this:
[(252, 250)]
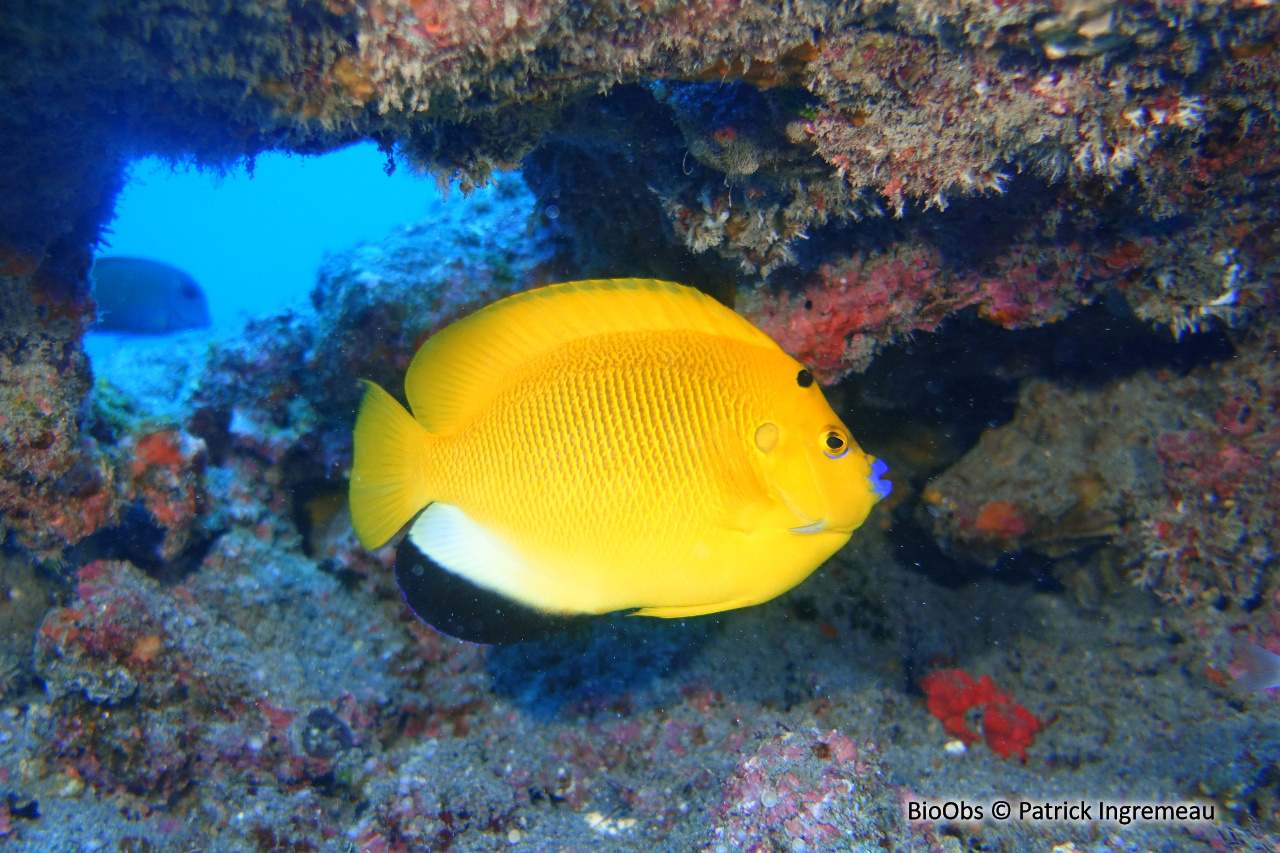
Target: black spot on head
[(804, 379)]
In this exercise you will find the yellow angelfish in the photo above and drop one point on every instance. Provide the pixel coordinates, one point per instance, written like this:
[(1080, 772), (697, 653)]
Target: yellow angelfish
[(598, 446)]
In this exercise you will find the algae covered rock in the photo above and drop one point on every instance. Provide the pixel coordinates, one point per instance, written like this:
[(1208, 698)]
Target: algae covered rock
[(1070, 470)]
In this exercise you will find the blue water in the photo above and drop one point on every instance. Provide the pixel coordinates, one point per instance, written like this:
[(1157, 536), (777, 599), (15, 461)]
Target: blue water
[(254, 243)]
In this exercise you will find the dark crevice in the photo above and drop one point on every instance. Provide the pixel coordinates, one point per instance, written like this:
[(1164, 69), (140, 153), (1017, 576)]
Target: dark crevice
[(950, 385)]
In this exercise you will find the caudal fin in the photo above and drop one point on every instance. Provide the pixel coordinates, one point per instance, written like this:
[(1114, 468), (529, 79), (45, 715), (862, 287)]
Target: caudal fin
[(388, 486)]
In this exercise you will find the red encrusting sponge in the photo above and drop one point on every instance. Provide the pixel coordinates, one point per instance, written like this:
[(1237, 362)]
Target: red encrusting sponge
[(1008, 727)]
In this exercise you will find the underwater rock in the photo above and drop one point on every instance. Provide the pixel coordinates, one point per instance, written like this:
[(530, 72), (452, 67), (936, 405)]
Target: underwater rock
[(141, 382), (157, 689), (377, 302), (1210, 535), (125, 638), (295, 375), (165, 471), (56, 484), (1070, 471), (137, 678), (1083, 151), (276, 404), (25, 596), (1179, 472), (809, 790), (795, 118)]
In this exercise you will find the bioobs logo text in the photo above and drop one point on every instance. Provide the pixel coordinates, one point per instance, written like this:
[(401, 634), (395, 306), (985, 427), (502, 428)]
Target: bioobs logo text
[(1066, 811), (919, 811)]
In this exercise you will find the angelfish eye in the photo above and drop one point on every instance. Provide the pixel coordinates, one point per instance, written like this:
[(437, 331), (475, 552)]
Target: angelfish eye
[(834, 444)]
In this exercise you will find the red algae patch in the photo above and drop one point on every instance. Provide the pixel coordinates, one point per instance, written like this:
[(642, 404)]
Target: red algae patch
[(1008, 727)]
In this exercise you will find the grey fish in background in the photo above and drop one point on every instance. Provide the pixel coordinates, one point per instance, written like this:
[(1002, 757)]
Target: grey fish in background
[(1261, 667), (146, 297)]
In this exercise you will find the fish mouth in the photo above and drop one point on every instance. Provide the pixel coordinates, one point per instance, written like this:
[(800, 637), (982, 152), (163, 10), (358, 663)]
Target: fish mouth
[(816, 527), (811, 527)]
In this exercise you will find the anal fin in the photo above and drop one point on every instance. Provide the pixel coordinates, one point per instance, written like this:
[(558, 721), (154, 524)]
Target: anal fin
[(681, 611), (458, 607)]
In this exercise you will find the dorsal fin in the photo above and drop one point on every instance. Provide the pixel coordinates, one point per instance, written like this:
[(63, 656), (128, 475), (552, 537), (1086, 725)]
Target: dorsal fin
[(461, 367)]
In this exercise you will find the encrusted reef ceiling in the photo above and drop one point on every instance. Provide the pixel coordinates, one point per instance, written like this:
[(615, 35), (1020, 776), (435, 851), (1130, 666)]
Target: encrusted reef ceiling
[(856, 172)]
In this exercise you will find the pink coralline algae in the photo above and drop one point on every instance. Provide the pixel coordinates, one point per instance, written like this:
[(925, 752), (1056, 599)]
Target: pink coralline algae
[(839, 321), (1008, 727), (165, 470), (1025, 288), (806, 791)]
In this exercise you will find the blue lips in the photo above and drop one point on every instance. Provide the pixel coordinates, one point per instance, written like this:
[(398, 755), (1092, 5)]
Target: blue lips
[(879, 485)]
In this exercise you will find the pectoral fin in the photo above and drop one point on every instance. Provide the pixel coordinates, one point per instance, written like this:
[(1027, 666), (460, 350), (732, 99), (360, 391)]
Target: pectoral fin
[(744, 497)]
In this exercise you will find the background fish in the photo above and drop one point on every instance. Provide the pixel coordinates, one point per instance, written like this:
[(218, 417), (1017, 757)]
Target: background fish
[(146, 297), (600, 446)]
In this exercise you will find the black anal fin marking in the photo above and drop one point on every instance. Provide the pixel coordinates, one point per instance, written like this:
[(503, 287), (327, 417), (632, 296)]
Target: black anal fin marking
[(455, 606)]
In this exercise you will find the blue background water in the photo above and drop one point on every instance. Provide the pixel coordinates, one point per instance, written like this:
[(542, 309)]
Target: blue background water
[(254, 243)]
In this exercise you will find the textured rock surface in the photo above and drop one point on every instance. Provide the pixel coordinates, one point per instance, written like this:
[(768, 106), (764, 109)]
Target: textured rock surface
[(1179, 471), (1071, 469)]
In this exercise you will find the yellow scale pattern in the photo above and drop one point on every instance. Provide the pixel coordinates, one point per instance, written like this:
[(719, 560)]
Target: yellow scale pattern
[(638, 418)]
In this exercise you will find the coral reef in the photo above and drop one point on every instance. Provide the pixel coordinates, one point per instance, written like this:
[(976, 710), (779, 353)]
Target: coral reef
[(377, 302), (144, 677), (283, 395), (907, 118), (165, 473), (56, 484), (756, 131), (838, 323), (25, 597), (222, 668), (1209, 536), (272, 700)]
